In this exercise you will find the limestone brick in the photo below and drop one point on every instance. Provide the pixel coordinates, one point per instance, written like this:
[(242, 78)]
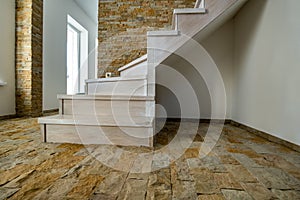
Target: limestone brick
[(123, 25), (29, 57)]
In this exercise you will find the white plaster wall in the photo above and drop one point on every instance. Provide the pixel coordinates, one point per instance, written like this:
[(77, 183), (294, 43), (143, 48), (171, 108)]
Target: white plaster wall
[(7, 57), (55, 45), (219, 46), (267, 67)]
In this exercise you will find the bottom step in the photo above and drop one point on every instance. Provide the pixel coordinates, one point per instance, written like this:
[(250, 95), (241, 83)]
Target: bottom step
[(124, 136), (55, 132)]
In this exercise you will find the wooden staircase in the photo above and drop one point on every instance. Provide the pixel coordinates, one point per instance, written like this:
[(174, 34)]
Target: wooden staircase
[(121, 110), (101, 119)]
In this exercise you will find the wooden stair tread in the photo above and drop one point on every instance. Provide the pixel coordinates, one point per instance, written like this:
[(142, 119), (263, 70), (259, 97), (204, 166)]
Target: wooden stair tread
[(90, 120), (190, 11), (163, 33), (115, 79), (105, 97)]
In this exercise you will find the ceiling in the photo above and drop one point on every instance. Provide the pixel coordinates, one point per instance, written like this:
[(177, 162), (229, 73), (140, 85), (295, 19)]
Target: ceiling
[(90, 7)]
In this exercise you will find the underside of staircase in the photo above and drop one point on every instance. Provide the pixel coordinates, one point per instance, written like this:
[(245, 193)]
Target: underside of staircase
[(121, 110)]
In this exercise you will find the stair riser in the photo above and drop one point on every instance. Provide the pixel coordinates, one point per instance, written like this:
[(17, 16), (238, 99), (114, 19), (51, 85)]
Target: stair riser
[(126, 136), (85, 120), (107, 107), (183, 21), (137, 70), (126, 87)]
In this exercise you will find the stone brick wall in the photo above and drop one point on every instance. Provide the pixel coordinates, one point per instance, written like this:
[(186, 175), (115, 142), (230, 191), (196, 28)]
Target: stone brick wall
[(123, 25), (37, 57), (29, 57)]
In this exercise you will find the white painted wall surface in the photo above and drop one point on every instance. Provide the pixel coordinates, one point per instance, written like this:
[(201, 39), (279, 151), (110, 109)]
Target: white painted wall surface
[(267, 68), (7, 57), (219, 46), (55, 45)]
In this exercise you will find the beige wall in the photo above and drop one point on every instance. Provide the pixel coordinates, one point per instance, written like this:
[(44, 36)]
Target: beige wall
[(7, 56), (267, 67)]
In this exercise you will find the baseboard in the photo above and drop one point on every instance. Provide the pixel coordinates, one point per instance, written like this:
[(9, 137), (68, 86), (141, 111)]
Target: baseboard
[(45, 113), (4, 117), (267, 136), (50, 112), (215, 121)]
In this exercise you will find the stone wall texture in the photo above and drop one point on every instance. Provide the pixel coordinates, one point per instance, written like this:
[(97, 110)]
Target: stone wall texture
[(123, 25), (29, 57)]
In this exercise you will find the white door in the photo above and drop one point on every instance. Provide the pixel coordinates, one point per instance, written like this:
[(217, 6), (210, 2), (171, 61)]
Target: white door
[(77, 57), (73, 61)]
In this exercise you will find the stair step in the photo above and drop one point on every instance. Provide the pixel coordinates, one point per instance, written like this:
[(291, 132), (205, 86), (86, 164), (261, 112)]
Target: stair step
[(133, 63), (106, 105), (101, 119), (200, 4), (163, 33), (190, 11), (118, 86), (115, 79), (104, 121), (80, 134), (135, 70), (106, 97)]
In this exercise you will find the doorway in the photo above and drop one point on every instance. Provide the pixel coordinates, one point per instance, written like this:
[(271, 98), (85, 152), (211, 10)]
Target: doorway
[(77, 57)]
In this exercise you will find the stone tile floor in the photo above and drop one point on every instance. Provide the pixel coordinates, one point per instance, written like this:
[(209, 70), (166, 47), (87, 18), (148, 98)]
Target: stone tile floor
[(240, 166)]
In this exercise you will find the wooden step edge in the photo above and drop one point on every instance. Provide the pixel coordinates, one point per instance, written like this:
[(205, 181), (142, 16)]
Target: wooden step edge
[(134, 63), (116, 79), (112, 79), (105, 97), (92, 121), (163, 33), (189, 11)]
